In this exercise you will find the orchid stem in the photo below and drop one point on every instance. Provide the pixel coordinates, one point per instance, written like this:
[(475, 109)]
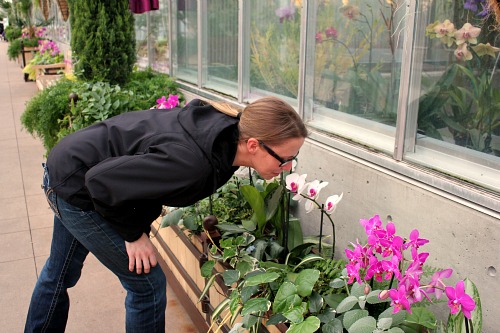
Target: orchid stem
[(321, 228)]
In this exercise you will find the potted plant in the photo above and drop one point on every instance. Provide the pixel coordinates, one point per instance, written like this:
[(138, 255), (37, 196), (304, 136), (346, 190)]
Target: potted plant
[(383, 287)]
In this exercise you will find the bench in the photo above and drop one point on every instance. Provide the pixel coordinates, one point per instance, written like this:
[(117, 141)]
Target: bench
[(47, 75)]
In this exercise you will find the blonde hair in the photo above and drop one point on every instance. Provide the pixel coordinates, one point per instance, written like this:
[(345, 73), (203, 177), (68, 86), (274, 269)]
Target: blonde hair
[(269, 119)]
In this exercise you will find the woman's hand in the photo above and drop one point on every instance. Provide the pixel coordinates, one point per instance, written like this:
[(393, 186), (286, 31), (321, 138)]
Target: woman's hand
[(141, 255)]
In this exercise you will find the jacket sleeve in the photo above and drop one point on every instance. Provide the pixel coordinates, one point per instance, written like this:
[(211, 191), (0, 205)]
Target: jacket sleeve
[(128, 191)]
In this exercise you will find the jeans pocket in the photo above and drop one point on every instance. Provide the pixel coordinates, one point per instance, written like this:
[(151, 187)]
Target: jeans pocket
[(50, 195)]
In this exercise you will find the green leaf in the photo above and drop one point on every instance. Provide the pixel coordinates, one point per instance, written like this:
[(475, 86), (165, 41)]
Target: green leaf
[(397, 318), (171, 218), (228, 253), (230, 276), (384, 323), (260, 249), (276, 319), (327, 316), (310, 325), (249, 225), (273, 202), (306, 280), (309, 258), (337, 283), (363, 325), (220, 308), (190, 222), (295, 314), (395, 330), (207, 269), (295, 235), (286, 298), (209, 283), (372, 297), (358, 290), (252, 195), (422, 316), (244, 267), (333, 326), (247, 292), (347, 304), (350, 317), (315, 302), (255, 305), (333, 300), (275, 249), (261, 278)]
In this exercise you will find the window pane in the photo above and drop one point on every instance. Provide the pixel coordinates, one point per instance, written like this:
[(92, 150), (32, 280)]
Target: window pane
[(187, 40), (141, 39), (357, 67), (159, 37), (222, 45), (459, 85), (275, 43)]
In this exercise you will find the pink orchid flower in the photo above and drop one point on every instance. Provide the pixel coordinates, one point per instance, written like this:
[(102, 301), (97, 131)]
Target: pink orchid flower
[(415, 241), (457, 298), (467, 34), (436, 281), (462, 52), (399, 300)]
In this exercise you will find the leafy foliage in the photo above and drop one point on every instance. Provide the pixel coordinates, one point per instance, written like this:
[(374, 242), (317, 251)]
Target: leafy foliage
[(50, 114)]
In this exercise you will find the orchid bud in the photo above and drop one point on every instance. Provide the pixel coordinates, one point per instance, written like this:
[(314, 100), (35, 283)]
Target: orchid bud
[(367, 289), (383, 294)]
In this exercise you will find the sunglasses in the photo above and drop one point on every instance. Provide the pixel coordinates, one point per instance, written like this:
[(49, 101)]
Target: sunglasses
[(283, 161)]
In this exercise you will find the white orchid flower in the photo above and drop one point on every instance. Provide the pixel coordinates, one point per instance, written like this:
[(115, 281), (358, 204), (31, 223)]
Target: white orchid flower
[(331, 203), (295, 183), (312, 192)]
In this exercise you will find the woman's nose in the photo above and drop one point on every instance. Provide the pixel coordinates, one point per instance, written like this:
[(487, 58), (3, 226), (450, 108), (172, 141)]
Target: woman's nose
[(287, 167)]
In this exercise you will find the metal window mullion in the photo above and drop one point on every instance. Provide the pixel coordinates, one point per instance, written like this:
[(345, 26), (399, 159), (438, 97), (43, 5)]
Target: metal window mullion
[(404, 83), (171, 46), (419, 50), (149, 42), (307, 59), (202, 41), (244, 15)]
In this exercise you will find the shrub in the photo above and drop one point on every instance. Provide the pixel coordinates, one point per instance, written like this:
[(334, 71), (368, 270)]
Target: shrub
[(43, 112), (103, 40), (50, 115)]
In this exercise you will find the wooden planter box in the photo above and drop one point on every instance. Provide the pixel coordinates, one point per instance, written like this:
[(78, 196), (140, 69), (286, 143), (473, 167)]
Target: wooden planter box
[(183, 257)]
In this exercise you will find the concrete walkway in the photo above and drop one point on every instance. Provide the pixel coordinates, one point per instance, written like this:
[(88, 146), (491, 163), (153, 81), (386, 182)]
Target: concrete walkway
[(97, 301)]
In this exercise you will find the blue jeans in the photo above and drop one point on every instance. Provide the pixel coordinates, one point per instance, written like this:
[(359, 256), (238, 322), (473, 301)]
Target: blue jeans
[(75, 233)]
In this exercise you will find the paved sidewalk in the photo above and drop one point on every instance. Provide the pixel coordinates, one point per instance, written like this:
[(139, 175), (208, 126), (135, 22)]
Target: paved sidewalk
[(26, 230)]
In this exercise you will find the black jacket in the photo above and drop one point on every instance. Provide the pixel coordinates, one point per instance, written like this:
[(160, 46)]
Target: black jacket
[(128, 166)]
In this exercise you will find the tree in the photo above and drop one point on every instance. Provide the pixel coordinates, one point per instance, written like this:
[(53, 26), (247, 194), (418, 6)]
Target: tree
[(102, 39)]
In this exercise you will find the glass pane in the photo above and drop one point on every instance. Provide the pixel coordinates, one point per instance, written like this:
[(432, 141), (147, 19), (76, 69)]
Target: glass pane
[(159, 37), (59, 29), (357, 67), (141, 39), (459, 90), (187, 40), (275, 44), (222, 45)]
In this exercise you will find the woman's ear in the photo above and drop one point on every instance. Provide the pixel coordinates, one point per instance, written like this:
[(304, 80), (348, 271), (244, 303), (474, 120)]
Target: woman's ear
[(252, 145)]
